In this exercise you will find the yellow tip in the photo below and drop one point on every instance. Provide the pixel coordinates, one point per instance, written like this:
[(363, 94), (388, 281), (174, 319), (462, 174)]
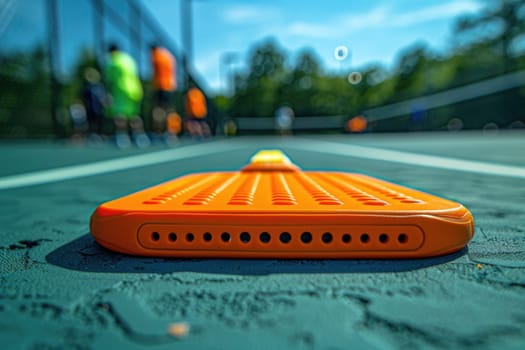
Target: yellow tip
[(270, 156)]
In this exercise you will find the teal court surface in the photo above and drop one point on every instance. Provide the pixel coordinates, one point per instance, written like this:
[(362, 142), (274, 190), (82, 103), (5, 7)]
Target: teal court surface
[(60, 290)]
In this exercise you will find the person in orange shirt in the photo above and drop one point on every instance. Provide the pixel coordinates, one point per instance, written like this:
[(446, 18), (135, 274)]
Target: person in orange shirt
[(164, 83), (196, 108)]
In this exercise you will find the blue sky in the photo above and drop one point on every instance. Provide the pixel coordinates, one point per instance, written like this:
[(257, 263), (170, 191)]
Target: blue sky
[(374, 31)]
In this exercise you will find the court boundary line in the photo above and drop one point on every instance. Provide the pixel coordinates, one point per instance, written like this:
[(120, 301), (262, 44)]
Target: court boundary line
[(403, 157), (41, 177)]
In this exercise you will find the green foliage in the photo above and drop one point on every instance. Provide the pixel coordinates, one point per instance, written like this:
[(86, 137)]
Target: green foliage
[(222, 102), (25, 98), (256, 91), (484, 45)]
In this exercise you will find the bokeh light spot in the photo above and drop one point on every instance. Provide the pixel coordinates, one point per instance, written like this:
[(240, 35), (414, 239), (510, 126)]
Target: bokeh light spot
[(355, 78), (340, 52)]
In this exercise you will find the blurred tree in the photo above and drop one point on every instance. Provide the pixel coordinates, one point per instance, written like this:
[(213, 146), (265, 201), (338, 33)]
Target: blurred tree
[(491, 37), (222, 102), (412, 73), (256, 91), (377, 87), (25, 97), (489, 44), (299, 87)]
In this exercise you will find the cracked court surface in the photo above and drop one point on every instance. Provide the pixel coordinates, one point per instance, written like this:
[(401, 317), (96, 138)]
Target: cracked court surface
[(59, 289)]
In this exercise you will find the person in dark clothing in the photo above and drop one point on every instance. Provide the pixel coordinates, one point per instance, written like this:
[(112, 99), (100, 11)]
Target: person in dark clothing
[(94, 97)]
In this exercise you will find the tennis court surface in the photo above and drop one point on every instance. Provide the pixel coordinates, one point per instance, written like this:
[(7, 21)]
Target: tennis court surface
[(61, 290)]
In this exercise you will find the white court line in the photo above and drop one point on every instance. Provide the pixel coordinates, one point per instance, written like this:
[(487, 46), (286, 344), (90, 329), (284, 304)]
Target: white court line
[(407, 158), (107, 166), (97, 168)]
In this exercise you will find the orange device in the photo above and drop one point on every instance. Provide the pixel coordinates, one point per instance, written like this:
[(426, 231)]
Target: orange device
[(272, 209)]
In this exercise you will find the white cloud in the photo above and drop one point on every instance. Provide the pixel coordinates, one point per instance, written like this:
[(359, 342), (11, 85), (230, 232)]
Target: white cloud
[(446, 10), (380, 17), (241, 14), (341, 26)]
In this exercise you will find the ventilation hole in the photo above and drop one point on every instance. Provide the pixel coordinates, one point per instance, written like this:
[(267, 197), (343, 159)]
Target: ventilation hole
[(172, 236), (153, 202), (375, 203), (365, 238), (245, 237), (330, 202), (283, 203), (190, 237), (346, 238), (264, 237), (195, 202), (239, 202), (402, 238), (327, 237), (155, 236), (285, 237), (207, 236), (383, 238), (306, 237), (225, 236)]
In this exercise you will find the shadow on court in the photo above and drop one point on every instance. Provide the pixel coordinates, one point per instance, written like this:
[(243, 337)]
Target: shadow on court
[(84, 254)]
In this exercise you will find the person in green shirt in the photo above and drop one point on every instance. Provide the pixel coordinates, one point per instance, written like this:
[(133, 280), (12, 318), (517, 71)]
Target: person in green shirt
[(126, 93)]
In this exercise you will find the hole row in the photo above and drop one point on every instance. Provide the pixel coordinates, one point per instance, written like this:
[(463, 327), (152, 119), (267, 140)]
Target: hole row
[(404, 198), (284, 237)]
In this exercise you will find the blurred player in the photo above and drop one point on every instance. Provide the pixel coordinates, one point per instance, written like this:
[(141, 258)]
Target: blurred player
[(94, 98), (125, 92), (164, 84), (284, 117), (418, 117), (197, 111), (357, 124), (230, 128)]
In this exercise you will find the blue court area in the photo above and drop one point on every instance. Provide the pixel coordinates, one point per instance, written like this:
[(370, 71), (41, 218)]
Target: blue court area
[(61, 290)]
